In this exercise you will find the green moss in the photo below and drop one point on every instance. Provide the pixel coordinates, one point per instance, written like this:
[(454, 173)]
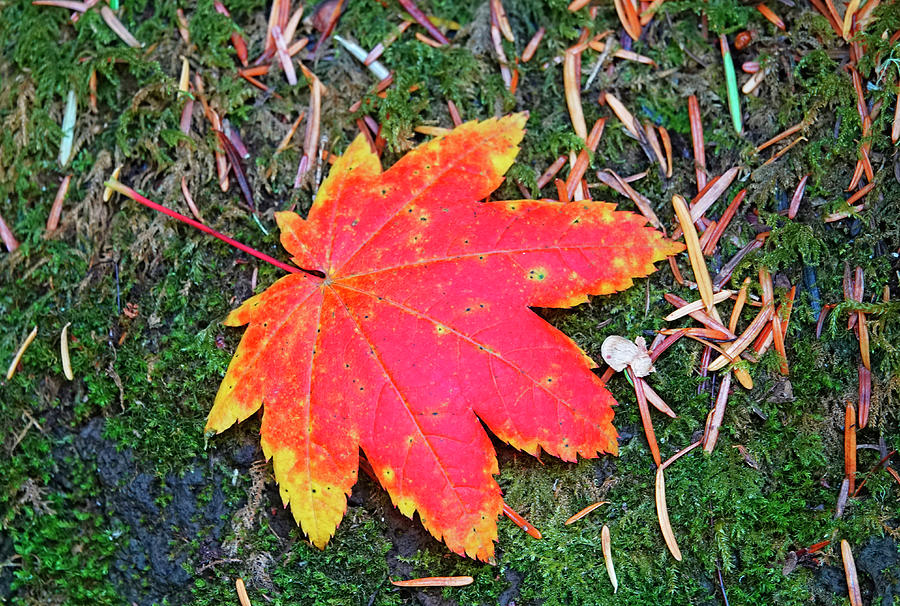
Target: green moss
[(169, 360)]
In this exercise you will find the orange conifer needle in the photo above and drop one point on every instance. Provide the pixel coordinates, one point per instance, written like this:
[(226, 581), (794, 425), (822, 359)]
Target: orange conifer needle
[(521, 522), (585, 511), (697, 142), (460, 581), (770, 16), (662, 514), (645, 415), (850, 446)]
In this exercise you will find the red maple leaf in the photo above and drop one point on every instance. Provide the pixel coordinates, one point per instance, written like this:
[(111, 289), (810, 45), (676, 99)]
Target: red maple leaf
[(419, 330)]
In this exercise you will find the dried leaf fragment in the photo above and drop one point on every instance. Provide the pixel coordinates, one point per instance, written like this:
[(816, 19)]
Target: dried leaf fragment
[(619, 352)]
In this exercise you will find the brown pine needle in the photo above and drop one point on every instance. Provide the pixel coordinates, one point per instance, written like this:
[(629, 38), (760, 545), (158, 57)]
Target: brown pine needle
[(744, 340), (429, 41), (658, 403), (585, 511), (681, 453), (551, 172), (667, 146), (64, 352), (313, 123), (864, 340), (718, 413), (606, 544), (738, 305), (865, 395), (662, 514), (850, 573), (702, 317), (608, 177), (56, 209), (651, 10), (895, 127), (454, 113), (189, 200), (743, 378), (697, 142), (784, 150), (532, 45), (782, 135), (622, 113), (797, 197), (115, 25), (711, 193), (286, 140), (850, 446), (572, 85), (20, 353), (7, 237), (695, 254), (243, 598), (653, 140), (687, 309), (499, 14), (520, 521), (770, 16), (645, 415), (461, 581), (583, 160)]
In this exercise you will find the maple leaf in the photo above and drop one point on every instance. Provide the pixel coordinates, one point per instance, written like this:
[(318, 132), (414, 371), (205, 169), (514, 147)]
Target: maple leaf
[(417, 330)]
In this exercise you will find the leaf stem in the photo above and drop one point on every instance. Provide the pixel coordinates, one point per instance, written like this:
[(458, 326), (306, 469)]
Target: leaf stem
[(130, 193)]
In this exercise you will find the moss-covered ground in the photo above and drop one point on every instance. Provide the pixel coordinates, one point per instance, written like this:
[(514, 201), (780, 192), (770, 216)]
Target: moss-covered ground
[(109, 493)]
